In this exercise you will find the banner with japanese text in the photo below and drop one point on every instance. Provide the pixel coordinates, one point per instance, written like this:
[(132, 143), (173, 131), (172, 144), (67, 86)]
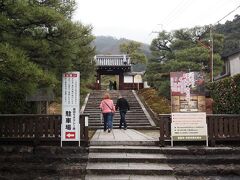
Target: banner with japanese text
[(70, 128)]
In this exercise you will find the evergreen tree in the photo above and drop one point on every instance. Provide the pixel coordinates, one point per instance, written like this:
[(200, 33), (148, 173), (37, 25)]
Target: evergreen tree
[(43, 39), (231, 32), (132, 48), (180, 51)]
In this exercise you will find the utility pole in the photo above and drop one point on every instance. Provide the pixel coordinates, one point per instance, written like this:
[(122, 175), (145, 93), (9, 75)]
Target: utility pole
[(211, 60)]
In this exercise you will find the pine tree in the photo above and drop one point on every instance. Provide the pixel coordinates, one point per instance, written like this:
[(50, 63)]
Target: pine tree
[(42, 40)]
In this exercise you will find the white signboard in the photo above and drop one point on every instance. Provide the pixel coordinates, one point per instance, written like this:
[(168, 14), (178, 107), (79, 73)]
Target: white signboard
[(189, 127), (70, 128), (128, 79), (138, 78)]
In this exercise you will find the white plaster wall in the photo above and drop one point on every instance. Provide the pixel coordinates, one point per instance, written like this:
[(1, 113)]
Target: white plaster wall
[(234, 64)]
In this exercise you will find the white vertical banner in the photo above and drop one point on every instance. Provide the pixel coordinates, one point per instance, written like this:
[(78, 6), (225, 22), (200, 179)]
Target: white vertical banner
[(70, 128)]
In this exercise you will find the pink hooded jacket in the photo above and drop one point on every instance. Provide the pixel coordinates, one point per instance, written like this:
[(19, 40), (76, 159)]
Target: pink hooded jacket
[(104, 106)]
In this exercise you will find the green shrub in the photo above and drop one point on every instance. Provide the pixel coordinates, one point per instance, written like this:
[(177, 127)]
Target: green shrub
[(226, 95), (158, 104)]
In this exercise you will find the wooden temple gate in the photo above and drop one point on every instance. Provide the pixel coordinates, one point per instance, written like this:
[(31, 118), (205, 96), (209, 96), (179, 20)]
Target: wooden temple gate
[(116, 65)]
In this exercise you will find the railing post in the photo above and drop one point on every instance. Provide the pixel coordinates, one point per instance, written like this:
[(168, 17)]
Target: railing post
[(161, 138), (37, 125), (86, 117), (210, 120)]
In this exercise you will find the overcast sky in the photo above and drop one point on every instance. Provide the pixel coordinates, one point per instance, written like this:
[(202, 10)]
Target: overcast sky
[(137, 19)]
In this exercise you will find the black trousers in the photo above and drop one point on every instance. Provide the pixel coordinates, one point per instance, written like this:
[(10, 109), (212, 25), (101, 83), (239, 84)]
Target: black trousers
[(123, 120)]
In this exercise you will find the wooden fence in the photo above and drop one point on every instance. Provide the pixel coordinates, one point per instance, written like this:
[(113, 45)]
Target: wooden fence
[(36, 129), (221, 127)]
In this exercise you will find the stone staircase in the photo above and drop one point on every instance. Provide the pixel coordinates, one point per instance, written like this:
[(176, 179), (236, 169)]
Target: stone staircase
[(136, 118), (167, 163)]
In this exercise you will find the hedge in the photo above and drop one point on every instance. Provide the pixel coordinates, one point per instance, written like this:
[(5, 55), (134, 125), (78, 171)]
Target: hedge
[(226, 95)]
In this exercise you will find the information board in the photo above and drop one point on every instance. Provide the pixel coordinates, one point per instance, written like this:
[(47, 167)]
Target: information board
[(70, 128), (189, 127)]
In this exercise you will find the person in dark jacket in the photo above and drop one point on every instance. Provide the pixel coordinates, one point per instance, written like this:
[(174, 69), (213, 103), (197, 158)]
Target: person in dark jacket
[(123, 106)]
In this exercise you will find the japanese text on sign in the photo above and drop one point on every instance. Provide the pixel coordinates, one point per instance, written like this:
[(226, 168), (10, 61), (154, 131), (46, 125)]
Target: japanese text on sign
[(70, 106), (189, 126)]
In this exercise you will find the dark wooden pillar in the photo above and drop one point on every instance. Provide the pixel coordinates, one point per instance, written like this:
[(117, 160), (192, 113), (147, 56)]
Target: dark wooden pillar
[(133, 88), (121, 81), (98, 82)]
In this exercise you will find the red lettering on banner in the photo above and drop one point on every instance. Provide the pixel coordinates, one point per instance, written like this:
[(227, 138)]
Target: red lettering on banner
[(70, 135), (70, 75)]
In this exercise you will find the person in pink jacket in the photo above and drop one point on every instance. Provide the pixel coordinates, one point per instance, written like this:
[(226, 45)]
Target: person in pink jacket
[(108, 109)]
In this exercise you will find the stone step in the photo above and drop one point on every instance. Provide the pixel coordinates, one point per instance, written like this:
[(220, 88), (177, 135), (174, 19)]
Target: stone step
[(35, 158), (167, 150), (206, 169), (133, 111), (97, 113), (117, 123), (206, 177), (127, 157), (97, 98), (136, 117), (123, 143), (42, 150), (142, 117), (139, 114), (96, 110), (162, 169), (96, 102), (130, 116), (128, 168), (163, 158), (71, 169), (129, 127), (36, 176), (117, 117), (117, 120), (129, 177), (157, 177), (132, 119)]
